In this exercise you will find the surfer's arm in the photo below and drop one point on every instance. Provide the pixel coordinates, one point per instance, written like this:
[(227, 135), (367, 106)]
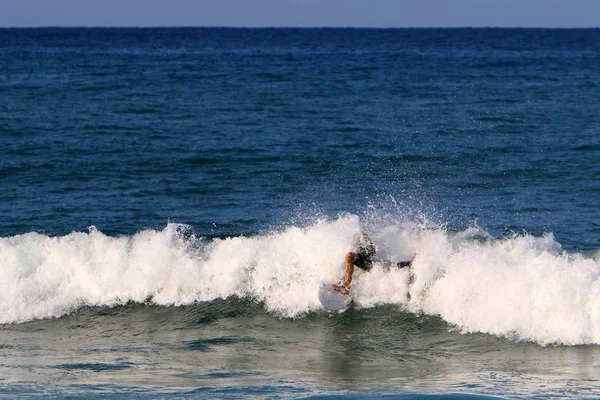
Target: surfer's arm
[(350, 258), (345, 288)]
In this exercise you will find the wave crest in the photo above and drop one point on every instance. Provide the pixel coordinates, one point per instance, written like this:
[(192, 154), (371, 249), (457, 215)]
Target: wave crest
[(523, 287)]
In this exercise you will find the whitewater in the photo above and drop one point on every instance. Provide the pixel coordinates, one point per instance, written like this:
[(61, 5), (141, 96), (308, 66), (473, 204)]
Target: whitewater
[(523, 287)]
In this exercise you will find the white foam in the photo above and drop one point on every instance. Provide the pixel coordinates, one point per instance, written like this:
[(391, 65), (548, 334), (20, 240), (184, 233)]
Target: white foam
[(524, 287)]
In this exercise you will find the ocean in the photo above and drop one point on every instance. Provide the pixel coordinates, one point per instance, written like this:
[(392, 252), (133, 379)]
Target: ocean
[(172, 199)]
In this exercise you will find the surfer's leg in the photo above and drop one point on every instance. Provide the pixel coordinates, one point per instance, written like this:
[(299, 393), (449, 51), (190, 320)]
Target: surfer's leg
[(411, 273), (411, 280), (404, 264)]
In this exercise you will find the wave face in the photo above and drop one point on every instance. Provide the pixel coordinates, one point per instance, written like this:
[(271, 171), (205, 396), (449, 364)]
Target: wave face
[(522, 287)]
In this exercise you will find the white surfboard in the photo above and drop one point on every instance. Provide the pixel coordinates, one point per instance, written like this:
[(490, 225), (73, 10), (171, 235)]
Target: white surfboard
[(331, 299)]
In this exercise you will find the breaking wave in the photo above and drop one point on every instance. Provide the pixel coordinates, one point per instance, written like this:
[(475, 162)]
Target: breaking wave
[(523, 287)]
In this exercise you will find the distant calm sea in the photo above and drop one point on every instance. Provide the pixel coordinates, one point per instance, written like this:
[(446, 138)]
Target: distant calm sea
[(171, 200)]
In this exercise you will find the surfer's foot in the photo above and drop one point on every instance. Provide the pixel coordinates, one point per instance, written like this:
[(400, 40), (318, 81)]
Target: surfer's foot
[(341, 288)]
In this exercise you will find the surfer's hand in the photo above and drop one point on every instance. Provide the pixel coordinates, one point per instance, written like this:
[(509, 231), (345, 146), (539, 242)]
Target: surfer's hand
[(343, 289)]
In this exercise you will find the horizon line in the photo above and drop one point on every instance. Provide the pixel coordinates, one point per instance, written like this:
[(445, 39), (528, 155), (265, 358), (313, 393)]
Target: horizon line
[(291, 27)]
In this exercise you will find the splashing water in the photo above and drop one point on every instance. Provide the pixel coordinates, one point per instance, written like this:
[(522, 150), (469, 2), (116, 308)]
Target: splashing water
[(523, 287)]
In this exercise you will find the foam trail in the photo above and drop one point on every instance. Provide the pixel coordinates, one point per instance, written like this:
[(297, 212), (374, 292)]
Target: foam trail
[(523, 287)]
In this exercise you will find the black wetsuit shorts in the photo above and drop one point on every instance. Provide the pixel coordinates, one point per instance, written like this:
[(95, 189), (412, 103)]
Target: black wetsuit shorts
[(364, 257)]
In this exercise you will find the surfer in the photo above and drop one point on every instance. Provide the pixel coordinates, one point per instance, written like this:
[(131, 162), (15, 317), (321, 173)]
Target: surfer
[(363, 258)]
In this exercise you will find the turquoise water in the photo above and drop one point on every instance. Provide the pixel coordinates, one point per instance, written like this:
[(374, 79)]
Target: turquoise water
[(173, 198)]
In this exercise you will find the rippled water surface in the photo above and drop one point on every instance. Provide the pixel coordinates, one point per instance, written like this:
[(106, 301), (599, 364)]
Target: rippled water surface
[(172, 199)]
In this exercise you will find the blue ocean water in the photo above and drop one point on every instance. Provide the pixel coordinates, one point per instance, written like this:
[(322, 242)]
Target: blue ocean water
[(172, 199)]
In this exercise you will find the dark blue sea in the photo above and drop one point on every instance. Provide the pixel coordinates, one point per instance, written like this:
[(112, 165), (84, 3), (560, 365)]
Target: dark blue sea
[(172, 199)]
